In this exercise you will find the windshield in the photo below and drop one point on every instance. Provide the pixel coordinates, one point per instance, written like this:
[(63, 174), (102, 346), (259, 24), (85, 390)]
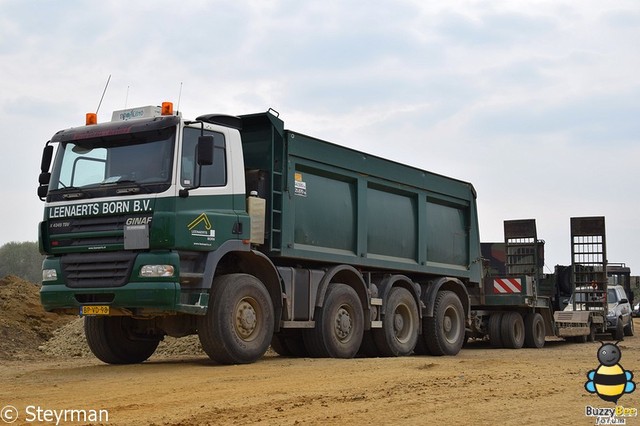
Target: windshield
[(95, 165)]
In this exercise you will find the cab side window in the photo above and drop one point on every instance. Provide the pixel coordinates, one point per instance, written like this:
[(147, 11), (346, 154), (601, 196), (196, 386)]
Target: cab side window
[(213, 175)]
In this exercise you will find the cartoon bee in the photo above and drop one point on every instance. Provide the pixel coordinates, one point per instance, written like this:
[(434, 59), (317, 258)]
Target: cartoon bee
[(610, 381)]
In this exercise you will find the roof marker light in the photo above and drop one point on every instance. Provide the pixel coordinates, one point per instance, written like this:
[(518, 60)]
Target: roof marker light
[(167, 108), (91, 118)]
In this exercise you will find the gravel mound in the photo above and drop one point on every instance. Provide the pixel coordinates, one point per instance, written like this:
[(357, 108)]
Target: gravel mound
[(24, 324)]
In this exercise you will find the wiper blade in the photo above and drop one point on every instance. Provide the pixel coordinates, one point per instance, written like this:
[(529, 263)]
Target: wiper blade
[(72, 192), (131, 186)]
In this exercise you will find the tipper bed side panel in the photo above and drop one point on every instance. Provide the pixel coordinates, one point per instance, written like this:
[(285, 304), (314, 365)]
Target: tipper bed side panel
[(339, 205)]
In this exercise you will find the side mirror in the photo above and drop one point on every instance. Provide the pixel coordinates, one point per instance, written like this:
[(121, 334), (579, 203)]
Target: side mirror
[(565, 301), (42, 191), (205, 150), (623, 301), (47, 154), (45, 176)]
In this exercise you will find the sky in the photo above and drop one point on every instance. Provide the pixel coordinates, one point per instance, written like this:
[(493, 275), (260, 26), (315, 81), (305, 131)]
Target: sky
[(536, 103)]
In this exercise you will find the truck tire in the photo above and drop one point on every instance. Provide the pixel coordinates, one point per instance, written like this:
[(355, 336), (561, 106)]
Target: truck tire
[(421, 346), (495, 334), (339, 325), (629, 330), (512, 328), (289, 343), (534, 330), (444, 331), (111, 340), (239, 323), (618, 333), (399, 332), (368, 348)]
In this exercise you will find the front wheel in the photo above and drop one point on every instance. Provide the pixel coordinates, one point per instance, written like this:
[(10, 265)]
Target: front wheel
[(239, 323), (629, 330), (444, 331), (114, 340), (618, 333)]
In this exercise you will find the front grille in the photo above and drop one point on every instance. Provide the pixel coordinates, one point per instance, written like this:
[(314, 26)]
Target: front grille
[(65, 231), (92, 270)]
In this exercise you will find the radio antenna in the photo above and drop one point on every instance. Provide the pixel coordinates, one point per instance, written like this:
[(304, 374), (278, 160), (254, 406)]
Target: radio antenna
[(179, 96), (126, 98), (103, 92)]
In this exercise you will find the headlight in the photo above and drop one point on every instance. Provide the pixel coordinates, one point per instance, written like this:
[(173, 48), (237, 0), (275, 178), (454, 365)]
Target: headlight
[(149, 271), (49, 275)]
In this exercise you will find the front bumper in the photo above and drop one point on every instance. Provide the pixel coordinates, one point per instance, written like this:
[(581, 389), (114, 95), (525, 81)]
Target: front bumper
[(137, 297)]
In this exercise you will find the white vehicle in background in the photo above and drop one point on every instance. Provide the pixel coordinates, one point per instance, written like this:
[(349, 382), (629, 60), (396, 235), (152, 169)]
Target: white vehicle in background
[(619, 319)]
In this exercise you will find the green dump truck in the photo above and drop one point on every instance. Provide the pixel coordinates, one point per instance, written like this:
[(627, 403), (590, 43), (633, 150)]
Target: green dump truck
[(250, 235)]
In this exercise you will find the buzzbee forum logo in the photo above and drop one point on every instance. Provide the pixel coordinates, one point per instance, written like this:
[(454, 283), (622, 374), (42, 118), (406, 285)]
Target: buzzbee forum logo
[(610, 381)]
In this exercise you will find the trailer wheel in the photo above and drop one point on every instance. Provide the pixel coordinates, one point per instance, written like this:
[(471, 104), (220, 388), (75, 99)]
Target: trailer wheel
[(534, 330), (444, 332), (399, 332), (495, 334), (512, 327), (111, 339), (629, 330), (239, 323), (592, 333), (339, 325)]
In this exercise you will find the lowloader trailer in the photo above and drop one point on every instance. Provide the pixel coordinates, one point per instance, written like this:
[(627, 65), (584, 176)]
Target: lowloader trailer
[(520, 305), (250, 235)]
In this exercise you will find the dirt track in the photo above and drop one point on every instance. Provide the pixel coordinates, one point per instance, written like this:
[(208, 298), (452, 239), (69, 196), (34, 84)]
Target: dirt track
[(479, 386), (40, 368)]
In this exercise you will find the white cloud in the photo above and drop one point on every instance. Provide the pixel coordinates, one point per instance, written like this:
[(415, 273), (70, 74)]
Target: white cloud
[(535, 103)]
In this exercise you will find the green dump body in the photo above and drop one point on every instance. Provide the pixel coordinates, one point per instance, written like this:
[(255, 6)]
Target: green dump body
[(329, 204)]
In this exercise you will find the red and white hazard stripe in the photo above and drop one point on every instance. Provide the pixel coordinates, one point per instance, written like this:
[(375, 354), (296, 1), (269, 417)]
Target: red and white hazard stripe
[(507, 285)]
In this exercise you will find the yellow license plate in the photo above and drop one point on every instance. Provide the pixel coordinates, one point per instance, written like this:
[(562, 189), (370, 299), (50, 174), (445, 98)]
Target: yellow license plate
[(95, 310)]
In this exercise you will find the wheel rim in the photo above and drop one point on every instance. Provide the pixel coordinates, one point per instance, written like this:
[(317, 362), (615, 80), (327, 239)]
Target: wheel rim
[(402, 324), (451, 324), (343, 325), (247, 317)]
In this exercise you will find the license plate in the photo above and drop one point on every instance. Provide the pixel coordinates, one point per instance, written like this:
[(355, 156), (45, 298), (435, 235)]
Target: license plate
[(94, 310)]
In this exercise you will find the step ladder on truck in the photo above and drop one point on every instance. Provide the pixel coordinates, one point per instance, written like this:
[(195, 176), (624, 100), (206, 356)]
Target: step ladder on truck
[(586, 310)]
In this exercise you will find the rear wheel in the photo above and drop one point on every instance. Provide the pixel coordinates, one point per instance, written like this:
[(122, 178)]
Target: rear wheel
[(495, 334), (239, 323), (114, 340), (444, 331), (592, 333), (289, 343), (399, 332), (534, 330), (339, 325), (512, 329)]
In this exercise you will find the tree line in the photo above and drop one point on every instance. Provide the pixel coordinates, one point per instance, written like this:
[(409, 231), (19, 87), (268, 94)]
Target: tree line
[(22, 260)]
